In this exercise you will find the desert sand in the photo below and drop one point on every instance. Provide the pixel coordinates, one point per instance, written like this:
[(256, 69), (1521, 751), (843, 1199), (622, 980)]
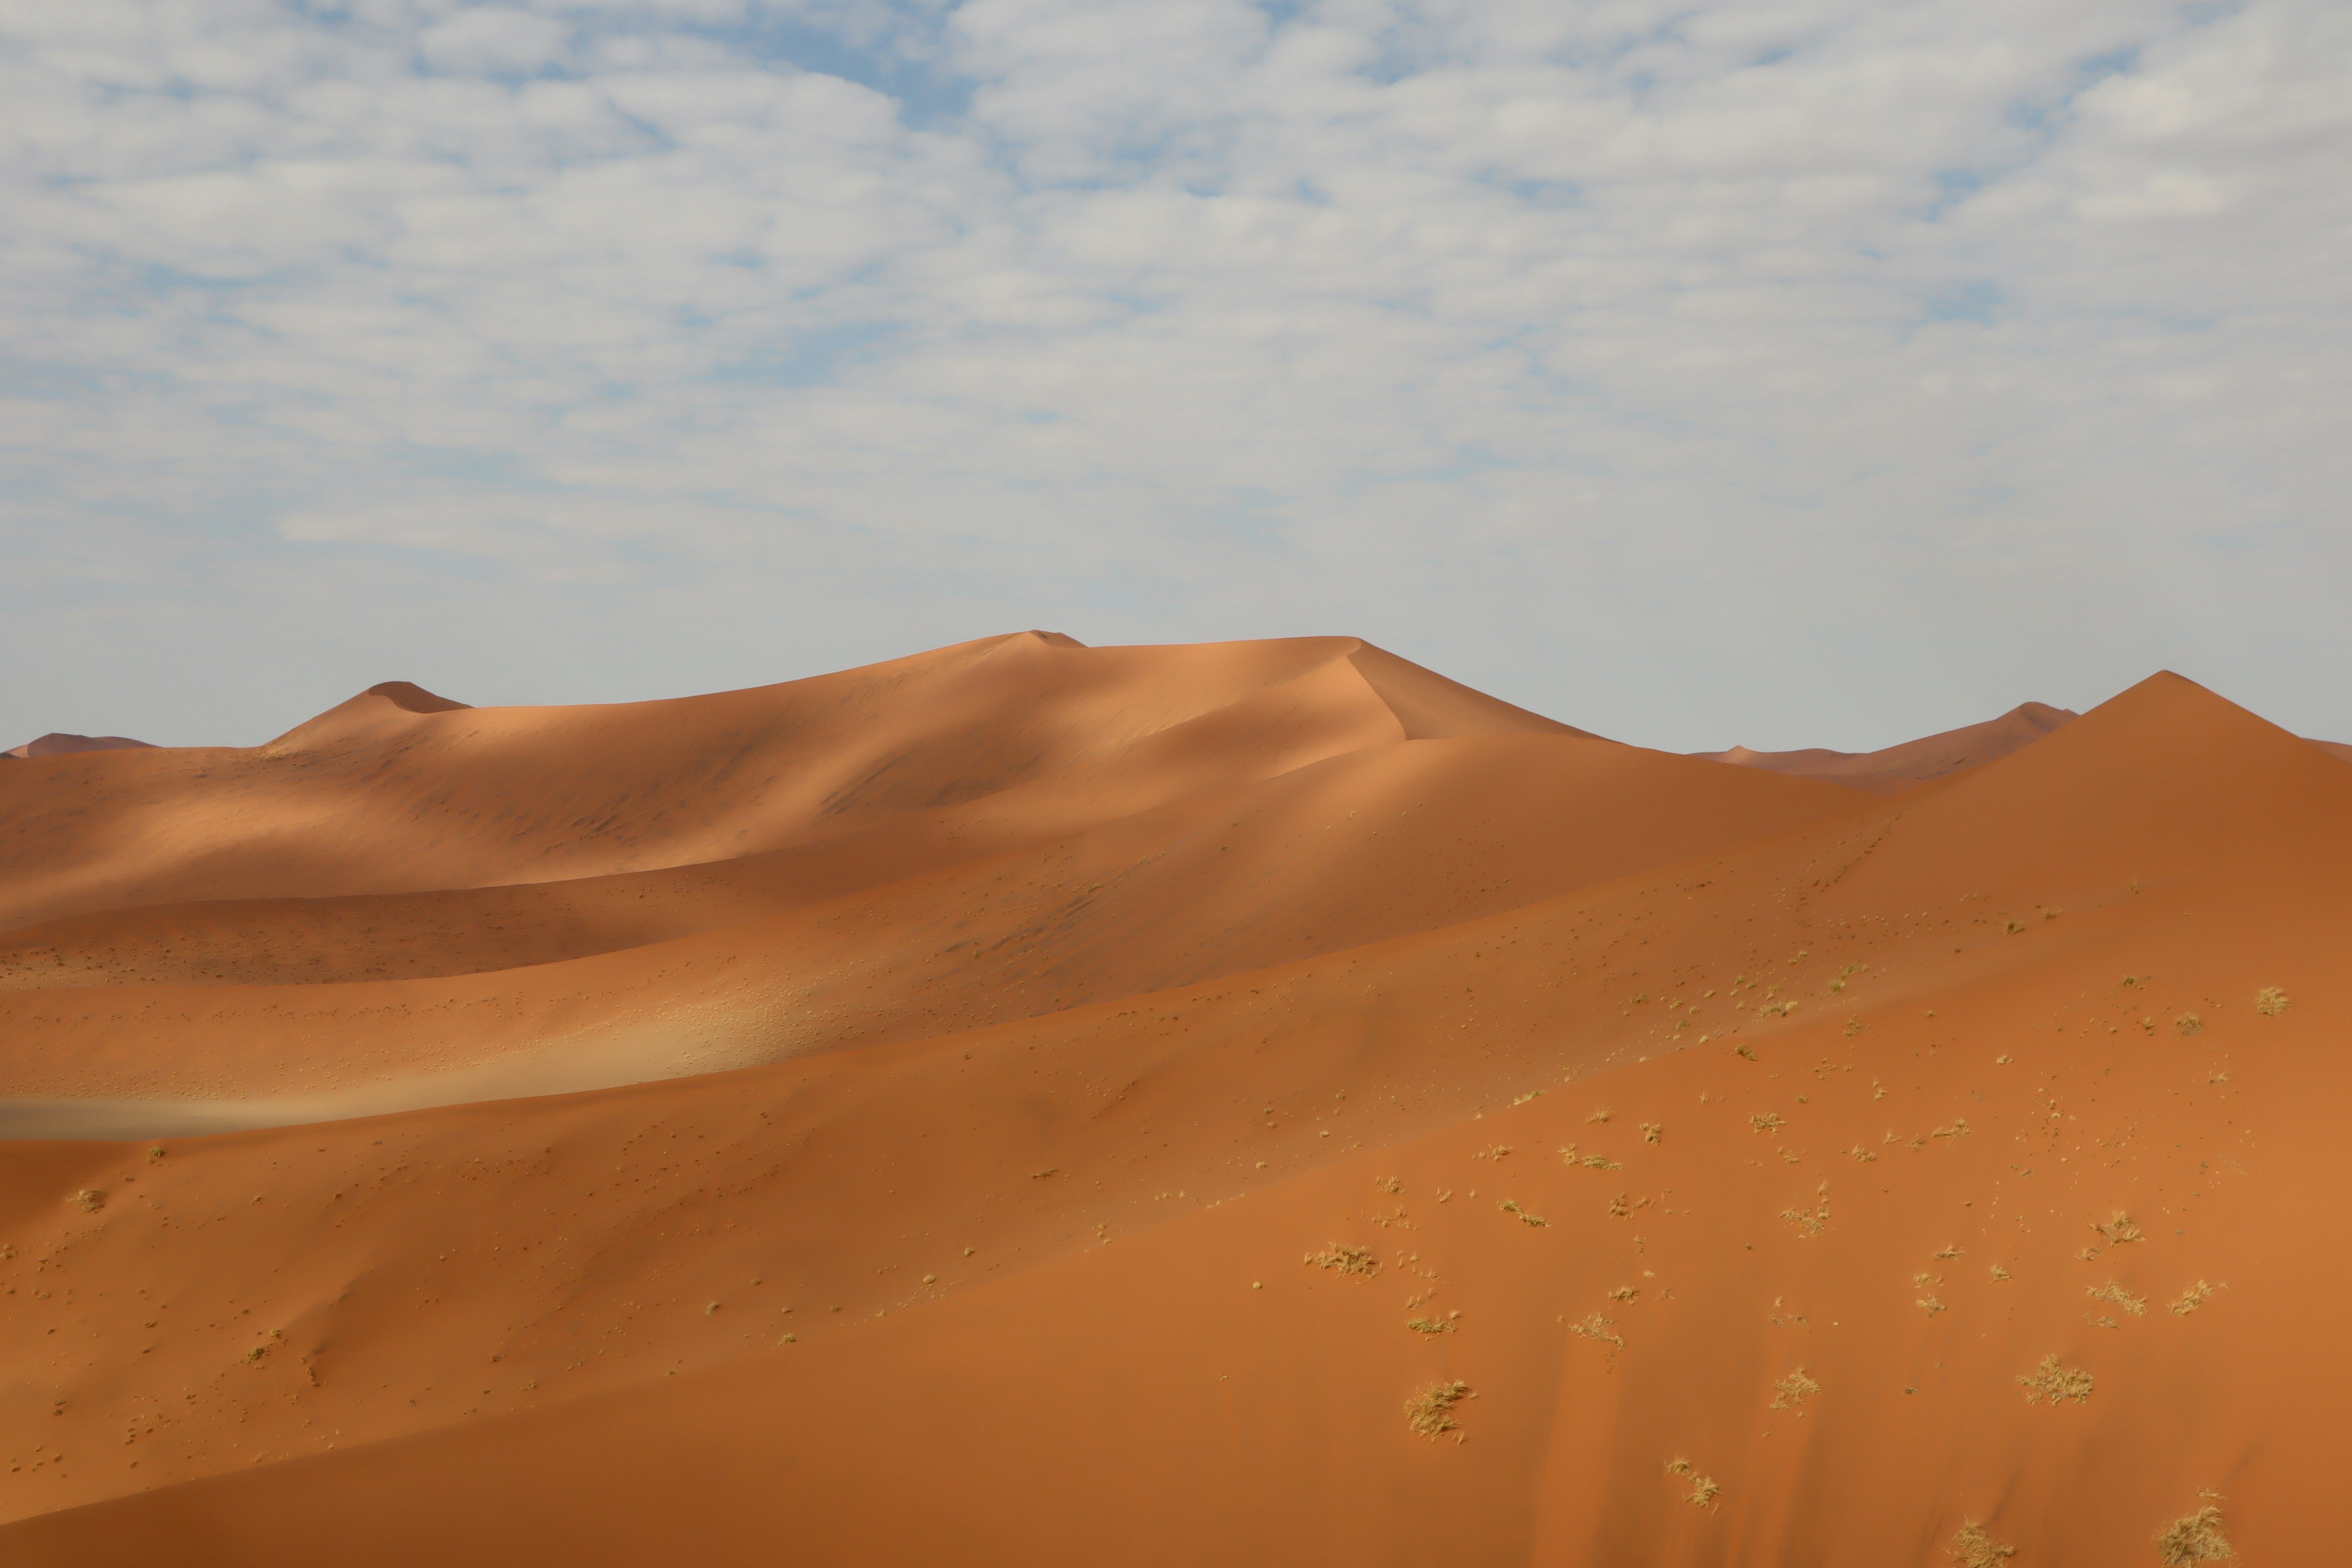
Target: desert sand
[(1239, 1103)]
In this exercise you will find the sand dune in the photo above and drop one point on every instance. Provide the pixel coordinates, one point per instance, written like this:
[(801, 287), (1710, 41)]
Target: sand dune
[(1913, 762), (55, 744), (1768, 1164)]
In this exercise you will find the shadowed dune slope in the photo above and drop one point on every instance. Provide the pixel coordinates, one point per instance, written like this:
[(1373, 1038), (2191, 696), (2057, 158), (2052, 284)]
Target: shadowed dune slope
[(1632, 1160)]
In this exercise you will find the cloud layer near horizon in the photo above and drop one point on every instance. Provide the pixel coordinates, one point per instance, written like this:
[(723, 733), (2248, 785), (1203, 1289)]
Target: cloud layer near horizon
[(1792, 373)]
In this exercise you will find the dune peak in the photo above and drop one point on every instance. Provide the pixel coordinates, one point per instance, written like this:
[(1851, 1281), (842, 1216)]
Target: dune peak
[(415, 698)]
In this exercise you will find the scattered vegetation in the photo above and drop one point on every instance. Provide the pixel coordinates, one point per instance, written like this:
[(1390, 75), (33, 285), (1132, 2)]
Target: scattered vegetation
[(1341, 1259), (1794, 1390), (2053, 1383), (1745, 1051), (1861, 1154), (89, 1200), (1598, 1116), (1388, 1183), (1764, 1121), (1510, 1205), (2270, 1001), (1999, 1273), (2196, 1539), (1444, 1325), (1972, 1547), (1430, 1412), (2186, 1025), (1653, 1132), (1626, 1293)]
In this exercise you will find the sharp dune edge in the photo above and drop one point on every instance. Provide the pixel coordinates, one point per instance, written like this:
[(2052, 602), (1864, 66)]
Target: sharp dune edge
[(1035, 1103)]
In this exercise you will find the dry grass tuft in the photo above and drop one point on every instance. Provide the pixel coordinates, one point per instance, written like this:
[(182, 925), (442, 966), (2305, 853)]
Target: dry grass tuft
[(1794, 1390), (2118, 1230), (2196, 1296), (1444, 1325), (2196, 1539), (1596, 1327), (1653, 1132), (1341, 1259), (2113, 1292), (1972, 1547), (89, 1200), (1814, 1220), (1430, 1412), (2055, 1383), (2269, 1002), (1764, 1121), (2186, 1025)]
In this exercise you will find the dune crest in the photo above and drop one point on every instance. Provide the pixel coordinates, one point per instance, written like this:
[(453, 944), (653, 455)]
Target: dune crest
[(1896, 768)]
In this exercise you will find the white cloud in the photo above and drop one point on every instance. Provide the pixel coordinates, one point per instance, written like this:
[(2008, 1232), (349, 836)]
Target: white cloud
[(1797, 373)]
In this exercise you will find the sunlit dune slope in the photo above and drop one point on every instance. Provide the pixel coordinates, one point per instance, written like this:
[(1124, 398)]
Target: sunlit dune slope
[(1765, 1173), (938, 756), (1393, 839)]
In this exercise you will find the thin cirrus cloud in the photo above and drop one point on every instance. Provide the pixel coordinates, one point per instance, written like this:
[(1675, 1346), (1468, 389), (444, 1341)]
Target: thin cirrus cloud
[(1788, 374)]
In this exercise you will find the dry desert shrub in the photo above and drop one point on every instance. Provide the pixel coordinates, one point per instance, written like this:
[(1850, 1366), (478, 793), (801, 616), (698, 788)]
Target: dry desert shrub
[(2269, 1002), (1341, 1259), (2055, 1383), (1764, 1121), (89, 1200), (1430, 1412), (2196, 1539), (1653, 1132), (1444, 1325), (1972, 1547), (2186, 1025)]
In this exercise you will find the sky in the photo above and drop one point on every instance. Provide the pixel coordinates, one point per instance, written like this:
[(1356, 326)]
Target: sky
[(1784, 373)]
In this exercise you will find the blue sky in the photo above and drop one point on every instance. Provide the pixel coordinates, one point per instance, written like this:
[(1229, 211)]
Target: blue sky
[(1783, 374)]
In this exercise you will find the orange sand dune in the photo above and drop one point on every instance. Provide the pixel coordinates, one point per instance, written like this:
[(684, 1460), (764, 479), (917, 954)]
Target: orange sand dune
[(1396, 838), (1898, 768), (1768, 1172), (985, 743)]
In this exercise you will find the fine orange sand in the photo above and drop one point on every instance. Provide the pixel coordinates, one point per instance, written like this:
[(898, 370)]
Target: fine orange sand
[(1032, 1103)]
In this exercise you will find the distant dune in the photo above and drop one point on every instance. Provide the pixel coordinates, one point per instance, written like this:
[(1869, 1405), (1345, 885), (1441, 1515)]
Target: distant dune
[(1901, 767), (1255, 1102), (54, 745)]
